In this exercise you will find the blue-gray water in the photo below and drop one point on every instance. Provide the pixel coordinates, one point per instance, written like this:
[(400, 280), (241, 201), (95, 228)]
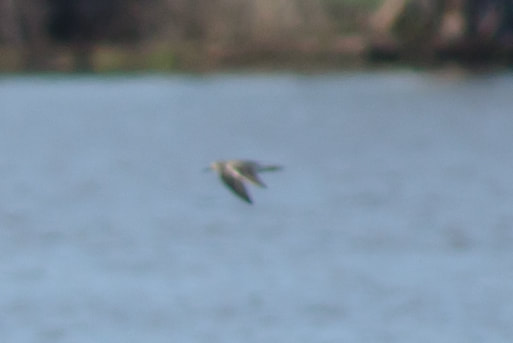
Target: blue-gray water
[(391, 222)]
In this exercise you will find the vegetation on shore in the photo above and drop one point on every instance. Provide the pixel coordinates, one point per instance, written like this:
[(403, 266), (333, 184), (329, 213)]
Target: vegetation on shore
[(168, 35)]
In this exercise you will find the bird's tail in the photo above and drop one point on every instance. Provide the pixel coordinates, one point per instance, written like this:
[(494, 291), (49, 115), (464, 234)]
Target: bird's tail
[(269, 168)]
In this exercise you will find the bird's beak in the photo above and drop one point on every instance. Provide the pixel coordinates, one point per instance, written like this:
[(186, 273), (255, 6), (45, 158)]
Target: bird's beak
[(206, 169)]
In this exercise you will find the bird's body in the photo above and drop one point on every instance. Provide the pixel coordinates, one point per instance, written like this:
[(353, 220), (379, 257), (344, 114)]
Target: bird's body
[(234, 172)]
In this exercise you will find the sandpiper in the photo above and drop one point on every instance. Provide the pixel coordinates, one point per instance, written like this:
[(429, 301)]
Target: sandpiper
[(234, 172)]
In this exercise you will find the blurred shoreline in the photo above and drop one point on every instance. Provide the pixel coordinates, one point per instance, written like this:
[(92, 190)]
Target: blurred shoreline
[(200, 35)]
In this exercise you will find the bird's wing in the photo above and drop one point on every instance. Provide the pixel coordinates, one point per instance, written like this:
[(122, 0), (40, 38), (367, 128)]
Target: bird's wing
[(249, 172), (236, 186)]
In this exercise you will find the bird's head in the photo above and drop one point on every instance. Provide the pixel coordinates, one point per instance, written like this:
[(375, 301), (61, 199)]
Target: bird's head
[(215, 166)]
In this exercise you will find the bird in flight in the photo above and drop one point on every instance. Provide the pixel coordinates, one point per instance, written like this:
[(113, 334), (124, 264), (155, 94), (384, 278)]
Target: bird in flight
[(233, 173)]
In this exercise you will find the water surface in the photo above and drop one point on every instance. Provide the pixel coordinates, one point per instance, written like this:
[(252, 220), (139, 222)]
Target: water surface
[(391, 221)]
